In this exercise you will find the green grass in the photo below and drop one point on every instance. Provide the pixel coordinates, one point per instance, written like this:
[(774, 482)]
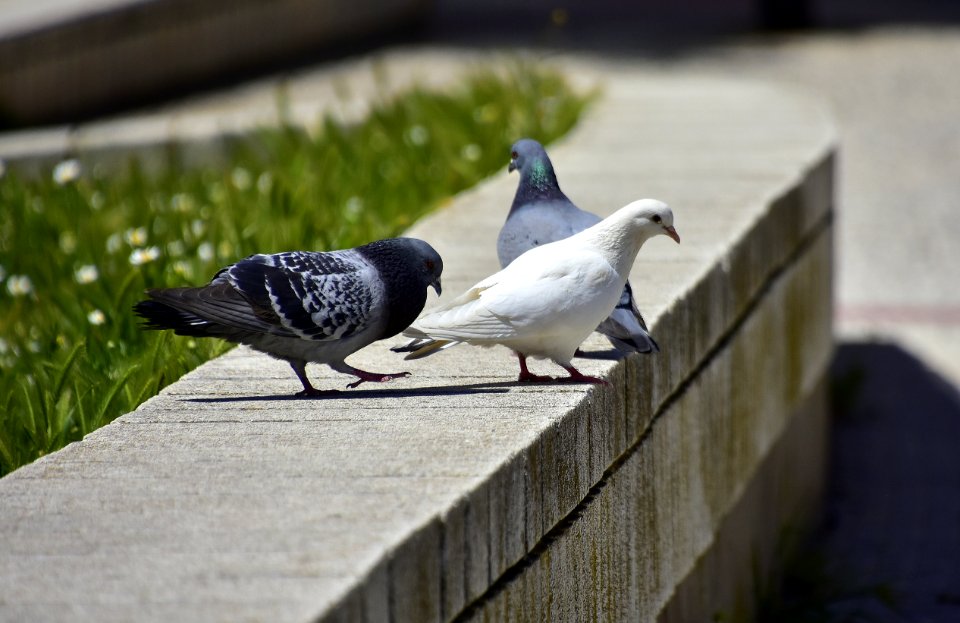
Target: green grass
[(72, 355)]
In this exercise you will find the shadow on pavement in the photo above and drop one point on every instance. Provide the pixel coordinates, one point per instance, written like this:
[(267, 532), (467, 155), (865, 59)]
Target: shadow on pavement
[(892, 521)]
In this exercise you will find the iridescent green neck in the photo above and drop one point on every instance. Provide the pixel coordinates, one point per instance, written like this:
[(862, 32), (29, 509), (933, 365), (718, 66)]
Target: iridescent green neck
[(537, 183)]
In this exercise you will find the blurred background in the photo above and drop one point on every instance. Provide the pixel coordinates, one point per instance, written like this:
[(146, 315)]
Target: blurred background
[(891, 533)]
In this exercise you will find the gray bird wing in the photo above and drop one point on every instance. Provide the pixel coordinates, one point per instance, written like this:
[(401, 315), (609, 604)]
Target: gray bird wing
[(625, 327), (539, 223), (315, 296)]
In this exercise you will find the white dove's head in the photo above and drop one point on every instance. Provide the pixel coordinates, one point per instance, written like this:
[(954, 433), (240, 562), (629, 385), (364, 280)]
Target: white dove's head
[(650, 218)]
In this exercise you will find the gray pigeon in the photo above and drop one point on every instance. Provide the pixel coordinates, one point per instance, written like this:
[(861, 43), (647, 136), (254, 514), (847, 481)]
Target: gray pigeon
[(541, 213), (306, 307)]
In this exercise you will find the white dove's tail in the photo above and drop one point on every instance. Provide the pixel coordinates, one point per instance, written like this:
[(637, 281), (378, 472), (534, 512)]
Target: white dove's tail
[(420, 347)]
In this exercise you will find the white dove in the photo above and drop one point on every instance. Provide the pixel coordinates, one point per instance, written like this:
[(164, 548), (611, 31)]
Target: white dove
[(549, 299)]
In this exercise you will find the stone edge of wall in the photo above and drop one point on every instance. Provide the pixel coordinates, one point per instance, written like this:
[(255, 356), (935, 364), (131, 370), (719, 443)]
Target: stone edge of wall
[(136, 50)]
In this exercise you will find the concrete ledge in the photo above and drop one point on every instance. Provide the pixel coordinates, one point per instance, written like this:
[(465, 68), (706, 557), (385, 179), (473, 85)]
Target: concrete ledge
[(60, 60), (456, 493)]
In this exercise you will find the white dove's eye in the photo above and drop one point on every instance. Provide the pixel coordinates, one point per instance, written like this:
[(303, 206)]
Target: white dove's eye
[(656, 218)]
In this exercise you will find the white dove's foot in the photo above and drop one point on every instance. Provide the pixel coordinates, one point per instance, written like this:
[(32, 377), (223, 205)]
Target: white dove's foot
[(526, 376), (577, 377), (375, 377)]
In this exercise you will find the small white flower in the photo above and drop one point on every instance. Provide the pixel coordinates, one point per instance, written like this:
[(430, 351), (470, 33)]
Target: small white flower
[(182, 202), (175, 248), (19, 285), (265, 182), (353, 207), (136, 236), (183, 269), (66, 171), (241, 178), (205, 251), (96, 317), (33, 346), (198, 227), (143, 256), (87, 273), (114, 242), (471, 152), (418, 135)]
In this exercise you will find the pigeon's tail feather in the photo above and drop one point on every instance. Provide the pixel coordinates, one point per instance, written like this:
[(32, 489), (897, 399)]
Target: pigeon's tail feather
[(160, 316), (627, 332), (211, 311)]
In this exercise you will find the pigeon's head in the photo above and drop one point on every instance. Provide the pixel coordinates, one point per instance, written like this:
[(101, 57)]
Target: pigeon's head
[(526, 154), (651, 218), (425, 260)]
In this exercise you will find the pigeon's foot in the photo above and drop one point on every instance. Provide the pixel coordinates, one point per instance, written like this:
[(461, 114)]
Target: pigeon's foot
[(375, 377), (577, 377), (529, 377), (313, 392)]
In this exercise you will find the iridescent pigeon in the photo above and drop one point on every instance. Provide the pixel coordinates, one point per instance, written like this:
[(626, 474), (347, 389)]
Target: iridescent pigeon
[(541, 213)]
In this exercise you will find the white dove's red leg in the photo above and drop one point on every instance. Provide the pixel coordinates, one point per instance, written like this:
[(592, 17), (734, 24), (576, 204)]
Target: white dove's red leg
[(526, 376), (577, 377), (300, 367), (375, 377)]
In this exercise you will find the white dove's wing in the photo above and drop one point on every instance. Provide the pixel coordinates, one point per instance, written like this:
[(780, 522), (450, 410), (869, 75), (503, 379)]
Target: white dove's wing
[(528, 298)]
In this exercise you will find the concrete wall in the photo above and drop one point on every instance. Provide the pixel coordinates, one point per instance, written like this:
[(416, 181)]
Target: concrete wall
[(61, 60), (457, 494)]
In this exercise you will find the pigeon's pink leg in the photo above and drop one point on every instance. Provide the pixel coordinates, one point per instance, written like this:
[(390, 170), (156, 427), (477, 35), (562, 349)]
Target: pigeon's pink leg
[(309, 391), (526, 376), (577, 377), (375, 377)]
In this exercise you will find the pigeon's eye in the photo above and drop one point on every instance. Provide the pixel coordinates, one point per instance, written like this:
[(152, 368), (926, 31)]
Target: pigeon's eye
[(513, 155), (429, 265), (656, 218)]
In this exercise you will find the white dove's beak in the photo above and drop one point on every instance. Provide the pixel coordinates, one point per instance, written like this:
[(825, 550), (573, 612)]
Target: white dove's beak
[(670, 231)]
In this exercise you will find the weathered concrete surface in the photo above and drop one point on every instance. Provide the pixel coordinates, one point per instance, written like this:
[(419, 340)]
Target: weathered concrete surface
[(62, 59), (224, 499), (200, 129)]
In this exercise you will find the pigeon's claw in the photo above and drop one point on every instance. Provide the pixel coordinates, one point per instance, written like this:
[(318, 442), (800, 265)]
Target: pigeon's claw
[(375, 377)]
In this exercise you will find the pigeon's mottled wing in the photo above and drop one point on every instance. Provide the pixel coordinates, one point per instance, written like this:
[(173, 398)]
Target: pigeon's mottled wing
[(317, 296)]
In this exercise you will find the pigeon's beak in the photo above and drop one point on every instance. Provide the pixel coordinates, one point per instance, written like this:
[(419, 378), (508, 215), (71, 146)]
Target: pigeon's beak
[(512, 166), (670, 231), (436, 285)]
